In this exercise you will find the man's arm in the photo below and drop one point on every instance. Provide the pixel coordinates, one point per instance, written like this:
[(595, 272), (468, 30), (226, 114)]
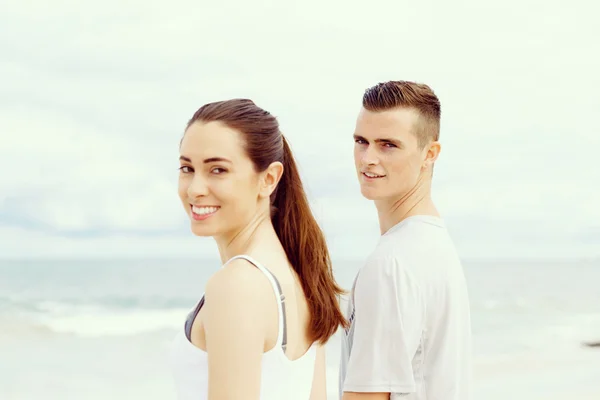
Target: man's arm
[(388, 325), (365, 396)]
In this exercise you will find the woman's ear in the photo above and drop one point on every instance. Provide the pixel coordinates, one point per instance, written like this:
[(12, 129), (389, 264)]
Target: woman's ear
[(270, 178)]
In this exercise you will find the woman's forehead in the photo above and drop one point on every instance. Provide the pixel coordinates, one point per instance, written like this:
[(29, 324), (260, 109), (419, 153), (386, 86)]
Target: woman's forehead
[(211, 140)]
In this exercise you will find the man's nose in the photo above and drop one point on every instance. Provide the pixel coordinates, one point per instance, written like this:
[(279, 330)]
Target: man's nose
[(369, 156)]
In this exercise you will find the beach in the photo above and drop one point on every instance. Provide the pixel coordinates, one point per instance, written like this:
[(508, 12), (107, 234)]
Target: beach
[(100, 329)]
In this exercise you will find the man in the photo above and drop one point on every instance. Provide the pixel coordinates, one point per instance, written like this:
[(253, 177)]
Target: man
[(410, 332)]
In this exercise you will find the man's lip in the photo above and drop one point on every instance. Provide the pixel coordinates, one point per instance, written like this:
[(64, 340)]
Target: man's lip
[(372, 173)]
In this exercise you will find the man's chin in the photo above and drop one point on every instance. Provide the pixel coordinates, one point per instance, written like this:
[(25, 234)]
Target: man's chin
[(370, 194)]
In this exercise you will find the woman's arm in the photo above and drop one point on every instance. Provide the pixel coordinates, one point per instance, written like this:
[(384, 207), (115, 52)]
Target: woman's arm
[(319, 385), (235, 314)]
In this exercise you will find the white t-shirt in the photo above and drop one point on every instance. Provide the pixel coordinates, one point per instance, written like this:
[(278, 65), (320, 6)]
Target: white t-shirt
[(410, 332)]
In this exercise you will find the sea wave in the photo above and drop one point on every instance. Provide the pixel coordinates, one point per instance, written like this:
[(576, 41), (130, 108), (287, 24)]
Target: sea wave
[(86, 320)]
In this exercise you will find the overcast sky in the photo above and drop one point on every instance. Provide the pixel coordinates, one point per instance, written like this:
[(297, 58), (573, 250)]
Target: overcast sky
[(95, 95)]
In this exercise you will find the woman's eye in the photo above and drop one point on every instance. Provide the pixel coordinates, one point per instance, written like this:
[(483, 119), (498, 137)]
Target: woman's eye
[(218, 171), (185, 169)]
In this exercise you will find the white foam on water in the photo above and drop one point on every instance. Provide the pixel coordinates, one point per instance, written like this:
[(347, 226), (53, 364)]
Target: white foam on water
[(93, 321), (90, 320)]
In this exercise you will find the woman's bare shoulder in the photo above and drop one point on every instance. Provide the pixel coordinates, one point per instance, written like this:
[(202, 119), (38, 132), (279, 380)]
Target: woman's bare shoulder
[(239, 283)]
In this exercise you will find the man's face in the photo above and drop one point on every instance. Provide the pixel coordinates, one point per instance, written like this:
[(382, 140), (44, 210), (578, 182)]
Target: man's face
[(389, 161)]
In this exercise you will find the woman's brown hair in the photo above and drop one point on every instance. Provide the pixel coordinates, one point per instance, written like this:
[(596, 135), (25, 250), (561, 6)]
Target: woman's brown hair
[(293, 220)]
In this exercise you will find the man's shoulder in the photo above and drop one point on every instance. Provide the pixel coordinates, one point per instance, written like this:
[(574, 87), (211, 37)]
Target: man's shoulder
[(420, 233), (386, 261), (415, 229), (415, 248)]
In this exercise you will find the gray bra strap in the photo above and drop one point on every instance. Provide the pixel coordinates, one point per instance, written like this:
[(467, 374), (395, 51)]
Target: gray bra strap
[(282, 301), (194, 313)]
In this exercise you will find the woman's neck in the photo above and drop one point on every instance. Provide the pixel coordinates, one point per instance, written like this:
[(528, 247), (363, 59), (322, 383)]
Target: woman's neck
[(258, 230)]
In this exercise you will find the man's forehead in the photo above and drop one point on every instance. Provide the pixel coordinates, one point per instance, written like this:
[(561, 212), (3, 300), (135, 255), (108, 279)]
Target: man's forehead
[(396, 122)]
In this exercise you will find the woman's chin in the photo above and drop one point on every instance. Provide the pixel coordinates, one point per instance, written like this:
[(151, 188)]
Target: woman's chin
[(202, 231)]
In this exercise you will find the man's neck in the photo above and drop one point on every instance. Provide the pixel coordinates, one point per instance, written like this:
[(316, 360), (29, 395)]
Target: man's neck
[(418, 201)]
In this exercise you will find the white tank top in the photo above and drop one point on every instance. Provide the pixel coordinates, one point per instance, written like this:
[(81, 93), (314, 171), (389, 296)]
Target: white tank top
[(281, 378)]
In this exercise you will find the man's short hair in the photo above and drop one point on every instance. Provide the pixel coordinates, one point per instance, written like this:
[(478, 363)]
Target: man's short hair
[(389, 95)]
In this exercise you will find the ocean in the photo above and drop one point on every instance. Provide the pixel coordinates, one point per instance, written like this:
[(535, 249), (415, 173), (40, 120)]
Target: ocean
[(99, 329)]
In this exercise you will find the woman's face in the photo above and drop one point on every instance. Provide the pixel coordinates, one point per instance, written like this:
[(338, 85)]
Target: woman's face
[(218, 185)]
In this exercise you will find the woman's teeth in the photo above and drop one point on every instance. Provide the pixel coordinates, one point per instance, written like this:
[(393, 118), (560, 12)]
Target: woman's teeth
[(204, 210)]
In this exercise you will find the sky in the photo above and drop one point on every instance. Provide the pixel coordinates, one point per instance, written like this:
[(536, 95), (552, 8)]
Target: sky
[(95, 96)]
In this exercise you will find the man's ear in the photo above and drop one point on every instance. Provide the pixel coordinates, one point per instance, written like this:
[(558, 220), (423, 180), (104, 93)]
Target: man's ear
[(270, 178), (431, 155)]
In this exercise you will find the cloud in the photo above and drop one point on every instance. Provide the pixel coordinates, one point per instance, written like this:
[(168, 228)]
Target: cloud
[(95, 98), (67, 176), (26, 243)]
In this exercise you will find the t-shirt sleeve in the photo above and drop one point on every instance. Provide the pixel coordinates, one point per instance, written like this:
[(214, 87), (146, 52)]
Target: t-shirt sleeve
[(388, 326)]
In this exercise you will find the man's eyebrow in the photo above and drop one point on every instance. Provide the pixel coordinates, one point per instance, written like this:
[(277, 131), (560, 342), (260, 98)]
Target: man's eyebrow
[(392, 141), (381, 140)]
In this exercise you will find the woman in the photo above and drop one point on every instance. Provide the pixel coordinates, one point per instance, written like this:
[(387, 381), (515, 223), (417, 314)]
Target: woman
[(259, 330)]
